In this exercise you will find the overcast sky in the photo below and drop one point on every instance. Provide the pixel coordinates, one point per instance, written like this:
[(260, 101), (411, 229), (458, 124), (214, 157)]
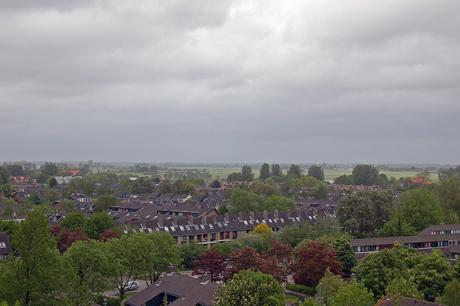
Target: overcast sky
[(230, 81)]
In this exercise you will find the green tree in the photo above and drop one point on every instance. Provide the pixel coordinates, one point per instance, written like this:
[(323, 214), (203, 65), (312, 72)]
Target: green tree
[(4, 175), (104, 202), (404, 287), (124, 258), (321, 192), (264, 171), (50, 169), (251, 289), (276, 170), (364, 211), (344, 179), (432, 274), (96, 224), (331, 284), (345, 254), (377, 270), (366, 175), (215, 184), (35, 198), (317, 172), (7, 190), (143, 185), (353, 295), (53, 182), (73, 220), (246, 173), (51, 196), (295, 171), (279, 203), (451, 295), (245, 202), (223, 209), (15, 170), (87, 268), (420, 208), (165, 187), (156, 252), (190, 253), (33, 278)]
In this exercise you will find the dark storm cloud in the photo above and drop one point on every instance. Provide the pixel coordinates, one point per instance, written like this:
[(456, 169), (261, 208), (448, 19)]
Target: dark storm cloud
[(230, 81)]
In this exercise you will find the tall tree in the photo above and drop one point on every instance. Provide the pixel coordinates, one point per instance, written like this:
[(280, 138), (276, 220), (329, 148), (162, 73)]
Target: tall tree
[(143, 185), (366, 175), (4, 175), (154, 253), (345, 254), (451, 294), (294, 170), (276, 170), (419, 208), (317, 172), (264, 171), (364, 211), (87, 271), (35, 277), (246, 173)]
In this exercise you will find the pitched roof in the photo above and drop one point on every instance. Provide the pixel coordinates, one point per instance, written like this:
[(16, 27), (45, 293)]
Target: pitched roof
[(188, 290), (5, 246)]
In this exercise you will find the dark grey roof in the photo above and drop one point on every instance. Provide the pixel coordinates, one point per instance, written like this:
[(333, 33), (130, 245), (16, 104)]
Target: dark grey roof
[(5, 246), (189, 290)]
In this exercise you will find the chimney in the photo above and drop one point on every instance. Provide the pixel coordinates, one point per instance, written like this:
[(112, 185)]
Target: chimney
[(240, 215), (171, 269), (143, 223), (190, 219), (252, 215), (205, 219), (277, 214), (288, 213), (175, 221), (227, 219), (160, 221), (265, 215), (205, 278)]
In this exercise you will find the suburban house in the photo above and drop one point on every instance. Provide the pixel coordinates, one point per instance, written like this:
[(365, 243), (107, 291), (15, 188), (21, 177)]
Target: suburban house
[(444, 237), (22, 179), (5, 246), (178, 290)]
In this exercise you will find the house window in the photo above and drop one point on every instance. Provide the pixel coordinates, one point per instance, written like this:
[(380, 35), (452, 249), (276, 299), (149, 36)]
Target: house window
[(2, 245), (184, 240)]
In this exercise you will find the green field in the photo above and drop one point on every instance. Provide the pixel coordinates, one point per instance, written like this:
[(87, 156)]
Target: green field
[(222, 173)]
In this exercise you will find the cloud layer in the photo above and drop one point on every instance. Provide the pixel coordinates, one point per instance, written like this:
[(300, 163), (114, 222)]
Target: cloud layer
[(230, 81)]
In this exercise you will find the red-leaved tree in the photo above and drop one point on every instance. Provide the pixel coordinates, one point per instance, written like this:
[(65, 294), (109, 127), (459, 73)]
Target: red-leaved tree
[(277, 261), (65, 238), (242, 259), (212, 263), (108, 234), (312, 261)]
